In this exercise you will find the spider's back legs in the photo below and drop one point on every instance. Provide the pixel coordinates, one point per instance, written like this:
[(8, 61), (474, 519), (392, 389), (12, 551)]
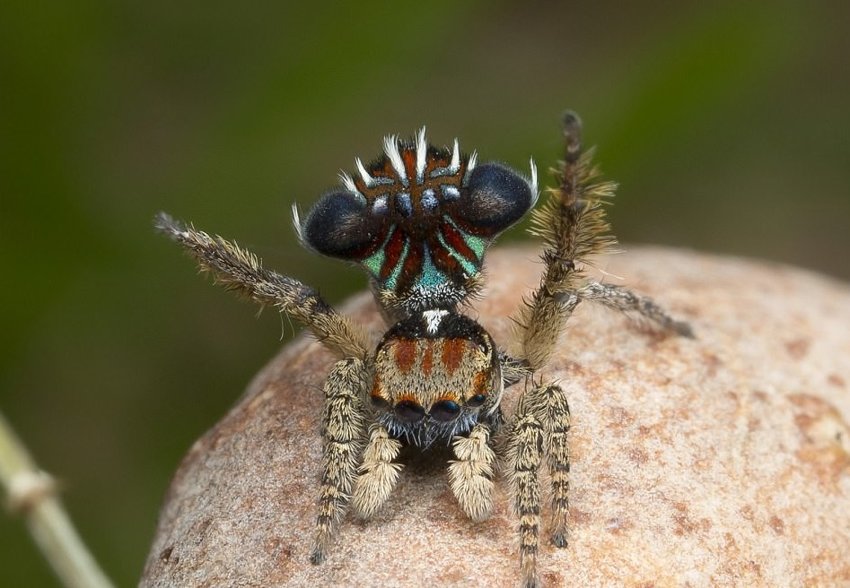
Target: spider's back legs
[(624, 300), (344, 433)]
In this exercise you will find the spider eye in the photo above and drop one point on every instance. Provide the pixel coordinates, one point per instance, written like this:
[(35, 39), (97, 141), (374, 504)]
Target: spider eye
[(338, 225), (476, 400), (445, 410), (379, 403), (409, 411), (497, 198)]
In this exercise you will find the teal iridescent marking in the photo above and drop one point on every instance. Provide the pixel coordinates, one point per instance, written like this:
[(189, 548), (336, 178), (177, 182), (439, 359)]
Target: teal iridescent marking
[(430, 276), (375, 261), (393, 279), (469, 267), (477, 244)]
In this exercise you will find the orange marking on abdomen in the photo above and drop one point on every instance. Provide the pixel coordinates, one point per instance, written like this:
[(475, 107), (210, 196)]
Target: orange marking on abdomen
[(405, 354), (479, 383), (453, 351), (428, 358)]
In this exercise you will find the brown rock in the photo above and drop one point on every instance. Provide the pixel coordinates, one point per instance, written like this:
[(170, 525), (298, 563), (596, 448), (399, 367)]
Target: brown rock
[(719, 461)]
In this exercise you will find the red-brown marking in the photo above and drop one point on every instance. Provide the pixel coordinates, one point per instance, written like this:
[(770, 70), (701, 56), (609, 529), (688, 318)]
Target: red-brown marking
[(443, 260), (393, 251), (428, 358), (479, 384), (408, 156), (405, 354), (412, 266), (455, 240), (453, 352), (377, 390)]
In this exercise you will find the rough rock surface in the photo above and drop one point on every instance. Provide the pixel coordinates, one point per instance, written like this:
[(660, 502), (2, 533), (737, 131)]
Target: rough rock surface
[(718, 461)]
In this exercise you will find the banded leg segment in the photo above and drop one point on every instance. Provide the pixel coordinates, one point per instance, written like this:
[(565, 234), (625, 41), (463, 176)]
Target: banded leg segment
[(556, 429), (626, 301), (524, 453), (344, 432), (471, 475), (378, 473), (240, 270)]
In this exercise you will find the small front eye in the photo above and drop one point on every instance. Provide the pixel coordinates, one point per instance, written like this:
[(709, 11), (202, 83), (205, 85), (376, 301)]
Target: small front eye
[(476, 400), (379, 403), (409, 411), (445, 410)]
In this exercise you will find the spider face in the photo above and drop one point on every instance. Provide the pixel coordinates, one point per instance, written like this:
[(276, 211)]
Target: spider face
[(419, 220), (435, 374)]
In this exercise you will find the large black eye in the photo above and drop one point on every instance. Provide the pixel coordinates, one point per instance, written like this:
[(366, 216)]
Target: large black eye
[(445, 410), (476, 400), (340, 225), (409, 411), (496, 198)]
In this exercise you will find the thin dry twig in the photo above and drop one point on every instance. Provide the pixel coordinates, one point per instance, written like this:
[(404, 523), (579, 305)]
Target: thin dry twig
[(32, 495)]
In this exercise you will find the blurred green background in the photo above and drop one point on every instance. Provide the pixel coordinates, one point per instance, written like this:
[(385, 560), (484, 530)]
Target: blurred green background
[(726, 123)]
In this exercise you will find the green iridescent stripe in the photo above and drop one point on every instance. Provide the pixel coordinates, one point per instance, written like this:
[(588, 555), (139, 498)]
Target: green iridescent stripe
[(477, 244), (430, 275), (375, 261)]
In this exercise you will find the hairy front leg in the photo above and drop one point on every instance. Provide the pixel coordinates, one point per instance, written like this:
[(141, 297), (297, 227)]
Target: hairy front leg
[(344, 431), (378, 473), (471, 475)]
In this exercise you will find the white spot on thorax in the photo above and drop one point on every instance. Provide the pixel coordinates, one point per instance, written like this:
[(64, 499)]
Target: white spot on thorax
[(433, 319)]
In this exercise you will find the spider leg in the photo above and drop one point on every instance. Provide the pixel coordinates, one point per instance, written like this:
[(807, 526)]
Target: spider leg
[(240, 270), (624, 300), (524, 453), (471, 475), (556, 425), (378, 473), (573, 226), (344, 432)]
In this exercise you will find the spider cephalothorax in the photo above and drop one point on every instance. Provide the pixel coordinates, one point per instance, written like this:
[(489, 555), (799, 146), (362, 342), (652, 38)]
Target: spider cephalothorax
[(419, 220)]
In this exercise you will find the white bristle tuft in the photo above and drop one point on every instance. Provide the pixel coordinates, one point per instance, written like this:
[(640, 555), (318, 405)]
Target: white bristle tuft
[(473, 159), (296, 222), (455, 164), (347, 181), (533, 182), (391, 149), (421, 154), (470, 165), (361, 169)]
